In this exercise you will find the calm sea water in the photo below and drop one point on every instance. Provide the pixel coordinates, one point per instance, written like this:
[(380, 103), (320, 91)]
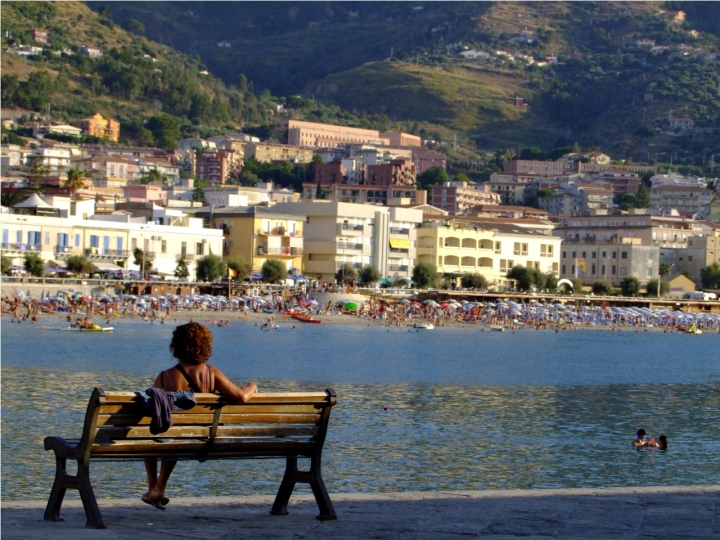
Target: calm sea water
[(465, 409)]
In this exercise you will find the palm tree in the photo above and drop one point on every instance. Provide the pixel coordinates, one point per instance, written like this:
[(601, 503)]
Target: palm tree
[(75, 180)]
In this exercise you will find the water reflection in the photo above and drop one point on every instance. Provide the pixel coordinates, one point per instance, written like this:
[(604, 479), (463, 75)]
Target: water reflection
[(432, 437)]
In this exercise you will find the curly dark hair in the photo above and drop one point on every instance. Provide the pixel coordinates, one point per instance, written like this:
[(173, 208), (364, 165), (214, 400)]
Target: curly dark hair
[(192, 343)]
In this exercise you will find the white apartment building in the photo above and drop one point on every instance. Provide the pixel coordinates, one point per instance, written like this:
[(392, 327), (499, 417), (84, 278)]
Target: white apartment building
[(685, 199), (338, 233), (675, 179), (107, 241), (55, 158)]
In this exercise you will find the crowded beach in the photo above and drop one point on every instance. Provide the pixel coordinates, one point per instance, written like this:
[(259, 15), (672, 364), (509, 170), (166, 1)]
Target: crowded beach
[(83, 311)]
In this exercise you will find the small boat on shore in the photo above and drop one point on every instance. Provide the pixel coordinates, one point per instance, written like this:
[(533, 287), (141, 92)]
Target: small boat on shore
[(305, 318), (692, 329), (497, 328), (424, 326), (98, 329)]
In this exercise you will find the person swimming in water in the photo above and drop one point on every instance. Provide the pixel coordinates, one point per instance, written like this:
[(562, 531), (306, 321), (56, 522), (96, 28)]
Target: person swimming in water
[(661, 443), (641, 438)]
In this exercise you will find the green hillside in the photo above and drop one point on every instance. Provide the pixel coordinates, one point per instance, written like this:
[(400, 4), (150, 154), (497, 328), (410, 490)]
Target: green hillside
[(604, 91), (134, 81)]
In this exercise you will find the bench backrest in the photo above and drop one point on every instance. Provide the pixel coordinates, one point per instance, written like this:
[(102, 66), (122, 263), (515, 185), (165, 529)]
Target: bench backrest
[(292, 416)]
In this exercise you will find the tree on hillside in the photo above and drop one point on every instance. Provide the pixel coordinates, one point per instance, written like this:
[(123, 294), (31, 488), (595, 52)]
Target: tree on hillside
[(630, 286), (75, 181), (210, 268), (346, 274), (273, 271), (710, 276), (532, 154), (601, 288), (664, 269), (79, 264), (369, 274), (181, 269), (198, 195), (242, 268), (5, 266), (652, 287), (8, 198), (434, 176), (474, 281), (37, 171), (34, 264), (143, 260), (424, 275)]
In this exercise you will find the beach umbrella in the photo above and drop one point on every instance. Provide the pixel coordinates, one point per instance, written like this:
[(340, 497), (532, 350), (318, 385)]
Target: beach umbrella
[(351, 306), (15, 267)]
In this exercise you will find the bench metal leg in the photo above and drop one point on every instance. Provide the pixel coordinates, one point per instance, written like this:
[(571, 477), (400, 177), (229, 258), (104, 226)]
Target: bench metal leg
[(312, 477), (327, 512), (52, 511), (92, 511), (287, 485), (81, 482)]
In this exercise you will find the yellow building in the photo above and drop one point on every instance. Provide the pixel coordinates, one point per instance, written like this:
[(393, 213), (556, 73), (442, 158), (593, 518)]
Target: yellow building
[(457, 247), (258, 233), (278, 152)]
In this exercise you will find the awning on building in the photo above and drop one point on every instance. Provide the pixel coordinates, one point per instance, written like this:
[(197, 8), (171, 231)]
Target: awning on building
[(105, 266), (399, 243)]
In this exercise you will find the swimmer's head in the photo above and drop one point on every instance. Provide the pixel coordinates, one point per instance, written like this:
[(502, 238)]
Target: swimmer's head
[(662, 442), (640, 433)]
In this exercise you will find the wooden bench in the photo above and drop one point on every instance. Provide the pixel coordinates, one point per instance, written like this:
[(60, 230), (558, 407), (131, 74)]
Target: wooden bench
[(288, 425)]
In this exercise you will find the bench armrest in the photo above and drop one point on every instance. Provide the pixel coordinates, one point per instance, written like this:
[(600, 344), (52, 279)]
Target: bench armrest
[(61, 447)]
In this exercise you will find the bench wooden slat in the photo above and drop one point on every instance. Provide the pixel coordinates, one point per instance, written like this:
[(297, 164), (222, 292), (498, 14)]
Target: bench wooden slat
[(142, 432), (207, 419), (267, 397), (197, 447), (137, 408)]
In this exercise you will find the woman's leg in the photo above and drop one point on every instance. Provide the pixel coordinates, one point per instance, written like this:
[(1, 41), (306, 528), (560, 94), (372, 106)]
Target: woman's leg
[(152, 473), (157, 492)]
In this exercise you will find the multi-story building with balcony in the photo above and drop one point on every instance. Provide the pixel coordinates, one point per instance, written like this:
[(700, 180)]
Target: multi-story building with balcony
[(457, 246), (610, 262), (686, 200), (258, 233), (338, 233), (277, 152), (391, 184), (108, 241), (215, 166), (457, 197)]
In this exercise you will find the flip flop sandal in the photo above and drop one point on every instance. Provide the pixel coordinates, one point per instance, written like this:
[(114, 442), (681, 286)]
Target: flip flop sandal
[(160, 505)]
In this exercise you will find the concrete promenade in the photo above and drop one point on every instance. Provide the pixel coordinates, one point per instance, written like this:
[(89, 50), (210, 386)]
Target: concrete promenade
[(617, 513)]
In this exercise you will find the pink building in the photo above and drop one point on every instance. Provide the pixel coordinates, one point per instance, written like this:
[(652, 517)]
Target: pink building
[(153, 194)]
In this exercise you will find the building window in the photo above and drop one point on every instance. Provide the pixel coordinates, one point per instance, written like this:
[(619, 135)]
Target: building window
[(564, 257), (650, 256), (183, 248), (689, 258), (574, 254), (650, 272), (614, 255), (614, 270), (623, 271), (624, 255), (77, 240), (572, 269), (163, 246), (563, 269), (199, 248)]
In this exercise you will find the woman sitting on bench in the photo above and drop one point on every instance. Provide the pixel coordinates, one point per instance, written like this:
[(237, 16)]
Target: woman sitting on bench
[(191, 344)]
